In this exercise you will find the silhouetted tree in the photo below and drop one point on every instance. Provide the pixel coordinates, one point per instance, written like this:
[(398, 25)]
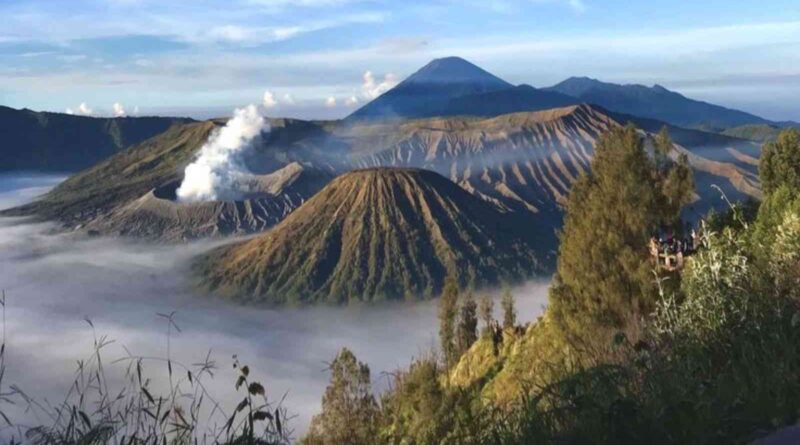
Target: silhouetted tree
[(349, 410), (467, 324), (448, 311), (509, 310), (486, 313)]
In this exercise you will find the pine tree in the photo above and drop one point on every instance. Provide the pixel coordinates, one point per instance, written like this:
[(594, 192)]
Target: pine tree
[(676, 179), (467, 324), (604, 277), (780, 162), (349, 410), (486, 312), (509, 310), (448, 311)]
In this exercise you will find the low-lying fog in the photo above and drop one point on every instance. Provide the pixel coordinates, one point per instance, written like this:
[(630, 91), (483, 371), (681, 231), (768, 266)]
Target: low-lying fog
[(53, 282)]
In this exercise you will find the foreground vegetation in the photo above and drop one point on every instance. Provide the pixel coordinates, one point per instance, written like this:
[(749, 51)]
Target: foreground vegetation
[(171, 406), (625, 353)]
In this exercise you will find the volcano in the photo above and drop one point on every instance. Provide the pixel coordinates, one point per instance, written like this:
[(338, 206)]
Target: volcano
[(377, 234), (426, 93)]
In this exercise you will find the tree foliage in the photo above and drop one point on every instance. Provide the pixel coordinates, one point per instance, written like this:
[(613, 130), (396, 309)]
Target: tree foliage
[(486, 312), (467, 324), (448, 312), (349, 410), (604, 276), (509, 309), (780, 162)]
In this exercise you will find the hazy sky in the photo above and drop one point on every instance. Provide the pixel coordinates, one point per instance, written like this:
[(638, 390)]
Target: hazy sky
[(202, 57)]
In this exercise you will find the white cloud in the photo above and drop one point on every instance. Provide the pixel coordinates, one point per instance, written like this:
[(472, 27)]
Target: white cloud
[(252, 35), (330, 102), (71, 58), (288, 99), (269, 100), (82, 110), (577, 6), (371, 89), (230, 33), (351, 101), (119, 110)]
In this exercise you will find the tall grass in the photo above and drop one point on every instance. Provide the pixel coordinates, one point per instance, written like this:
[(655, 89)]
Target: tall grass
[(99, 408)]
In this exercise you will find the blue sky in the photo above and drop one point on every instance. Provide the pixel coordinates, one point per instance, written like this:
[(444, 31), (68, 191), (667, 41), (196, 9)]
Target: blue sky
[(203, 57)]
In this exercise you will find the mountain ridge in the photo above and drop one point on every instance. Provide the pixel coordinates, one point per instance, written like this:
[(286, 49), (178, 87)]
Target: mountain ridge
[(58, 142), (654, 102)]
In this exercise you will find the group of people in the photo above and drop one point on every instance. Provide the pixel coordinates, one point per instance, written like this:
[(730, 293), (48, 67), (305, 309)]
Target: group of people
[(669, 251)]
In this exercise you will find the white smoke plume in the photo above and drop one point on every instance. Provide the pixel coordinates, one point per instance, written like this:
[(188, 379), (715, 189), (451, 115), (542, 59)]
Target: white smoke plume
[(330, 102), (82, 110), (219, 171), (288, 99), (119, 110), (372, 89), (351, 101), (269, 99)]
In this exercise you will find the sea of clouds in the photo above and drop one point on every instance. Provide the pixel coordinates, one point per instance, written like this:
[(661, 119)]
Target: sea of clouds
[(54, 282)]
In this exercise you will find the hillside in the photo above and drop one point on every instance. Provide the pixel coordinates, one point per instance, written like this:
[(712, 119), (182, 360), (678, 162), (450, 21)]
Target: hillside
[(754, 132), (374, 234), (42, 141), (654, 102), (426, 92)]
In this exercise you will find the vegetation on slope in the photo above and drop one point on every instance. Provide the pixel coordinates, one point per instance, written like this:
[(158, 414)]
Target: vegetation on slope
[(754, 132)]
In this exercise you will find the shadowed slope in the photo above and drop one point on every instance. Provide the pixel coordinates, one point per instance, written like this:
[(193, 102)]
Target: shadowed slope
[(654, 102), (375, 234), (61, 142)]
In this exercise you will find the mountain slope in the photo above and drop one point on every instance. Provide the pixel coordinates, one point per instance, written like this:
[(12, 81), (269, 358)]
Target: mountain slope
[(44, 141), (755, 132), (374, 234), (654, 102), (426, 92)]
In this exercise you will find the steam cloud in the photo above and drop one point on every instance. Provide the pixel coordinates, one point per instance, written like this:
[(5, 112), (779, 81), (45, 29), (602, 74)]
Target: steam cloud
[(269, 100), (219, 171), (82, 110), (372, 89), (119, 110)]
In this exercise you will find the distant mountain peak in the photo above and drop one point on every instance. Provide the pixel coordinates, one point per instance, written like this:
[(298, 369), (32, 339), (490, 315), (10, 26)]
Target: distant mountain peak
[(426, 92), (451, 70), (653, 102)]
